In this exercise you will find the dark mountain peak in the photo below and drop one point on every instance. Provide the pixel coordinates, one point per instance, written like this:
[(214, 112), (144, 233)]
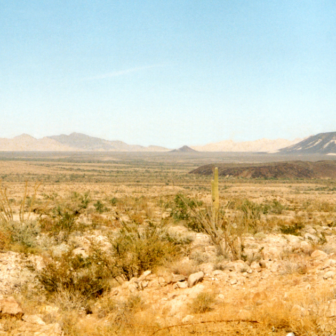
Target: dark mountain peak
[(184, 149)]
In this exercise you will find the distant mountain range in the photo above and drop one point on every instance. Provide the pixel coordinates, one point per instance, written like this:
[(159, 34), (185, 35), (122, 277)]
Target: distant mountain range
[(261, 145), (323, 143), (72, 142)]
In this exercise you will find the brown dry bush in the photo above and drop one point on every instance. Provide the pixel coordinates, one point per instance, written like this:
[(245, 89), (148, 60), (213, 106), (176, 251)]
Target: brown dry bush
[(137, 249), (202, 303)]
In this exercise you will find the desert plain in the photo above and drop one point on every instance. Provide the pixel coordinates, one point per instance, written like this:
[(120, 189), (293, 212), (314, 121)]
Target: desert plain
[(122, 244)]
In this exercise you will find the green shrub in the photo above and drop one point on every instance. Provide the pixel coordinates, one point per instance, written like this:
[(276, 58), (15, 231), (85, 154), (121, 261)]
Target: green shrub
[(182, 210), (100, 207)]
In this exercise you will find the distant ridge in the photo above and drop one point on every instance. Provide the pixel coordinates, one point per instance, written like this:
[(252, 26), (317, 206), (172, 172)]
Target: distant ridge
[(184, 149), (73, 142), (273, 170), (322, 143), (261, 145)]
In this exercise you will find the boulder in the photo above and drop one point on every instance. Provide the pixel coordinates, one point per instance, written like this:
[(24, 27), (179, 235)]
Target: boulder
[(195, 278)]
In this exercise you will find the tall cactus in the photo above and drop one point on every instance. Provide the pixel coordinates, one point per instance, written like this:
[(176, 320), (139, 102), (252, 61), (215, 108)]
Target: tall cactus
[(215, 195)]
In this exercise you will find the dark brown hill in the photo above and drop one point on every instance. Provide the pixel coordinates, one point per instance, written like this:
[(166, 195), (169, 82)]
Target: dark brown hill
[(274, 170)]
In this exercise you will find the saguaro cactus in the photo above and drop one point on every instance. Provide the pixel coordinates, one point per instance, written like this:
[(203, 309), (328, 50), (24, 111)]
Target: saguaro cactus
[(215, 195)]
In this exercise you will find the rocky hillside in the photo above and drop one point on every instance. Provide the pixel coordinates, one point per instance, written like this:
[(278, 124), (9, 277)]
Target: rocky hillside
[(276, 170), (323, 143)]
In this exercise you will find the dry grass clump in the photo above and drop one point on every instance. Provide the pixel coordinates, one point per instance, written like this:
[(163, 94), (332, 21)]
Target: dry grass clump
[(202, 303)]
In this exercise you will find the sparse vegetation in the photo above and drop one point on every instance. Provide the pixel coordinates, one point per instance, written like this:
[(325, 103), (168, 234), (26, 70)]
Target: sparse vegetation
[(93, 241)]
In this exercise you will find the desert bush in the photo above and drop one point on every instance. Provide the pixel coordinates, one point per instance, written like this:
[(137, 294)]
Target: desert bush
[(72, 278), (202, 303), (137, 249), (61, 219), (226, 231), (293, 228), (24, 234), (113, 201), (100, 207), (182, 210)]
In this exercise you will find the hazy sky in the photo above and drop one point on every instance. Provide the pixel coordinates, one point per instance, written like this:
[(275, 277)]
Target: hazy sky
[(168, 72)]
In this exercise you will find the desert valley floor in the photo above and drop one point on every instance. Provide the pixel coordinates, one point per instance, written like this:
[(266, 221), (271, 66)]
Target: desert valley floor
[(119, 244)]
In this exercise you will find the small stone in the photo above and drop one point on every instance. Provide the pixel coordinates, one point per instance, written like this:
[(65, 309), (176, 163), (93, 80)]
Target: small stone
[(187, 319), (9, 307), (233, 281), (329, 275), (182, 284), (255, 265), (34, 319), (319, 255), (194, 278), (144, 275), (331, 312), (177, 278)]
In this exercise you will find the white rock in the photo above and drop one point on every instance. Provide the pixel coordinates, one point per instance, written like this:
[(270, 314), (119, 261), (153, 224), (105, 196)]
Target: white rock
[(194, 278), (319, 255), (182, 284), (144, 275), (331, 311), (329, 275), (34, 319), (9, 307), (233, 281), (187, 319), (255, 265)]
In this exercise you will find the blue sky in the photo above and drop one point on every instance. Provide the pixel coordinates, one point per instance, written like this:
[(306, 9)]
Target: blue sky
[(168, 72)]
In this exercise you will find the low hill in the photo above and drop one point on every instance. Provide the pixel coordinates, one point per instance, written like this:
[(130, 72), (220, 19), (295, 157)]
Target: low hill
[(322, 143), (184, 149), (274, 170)]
